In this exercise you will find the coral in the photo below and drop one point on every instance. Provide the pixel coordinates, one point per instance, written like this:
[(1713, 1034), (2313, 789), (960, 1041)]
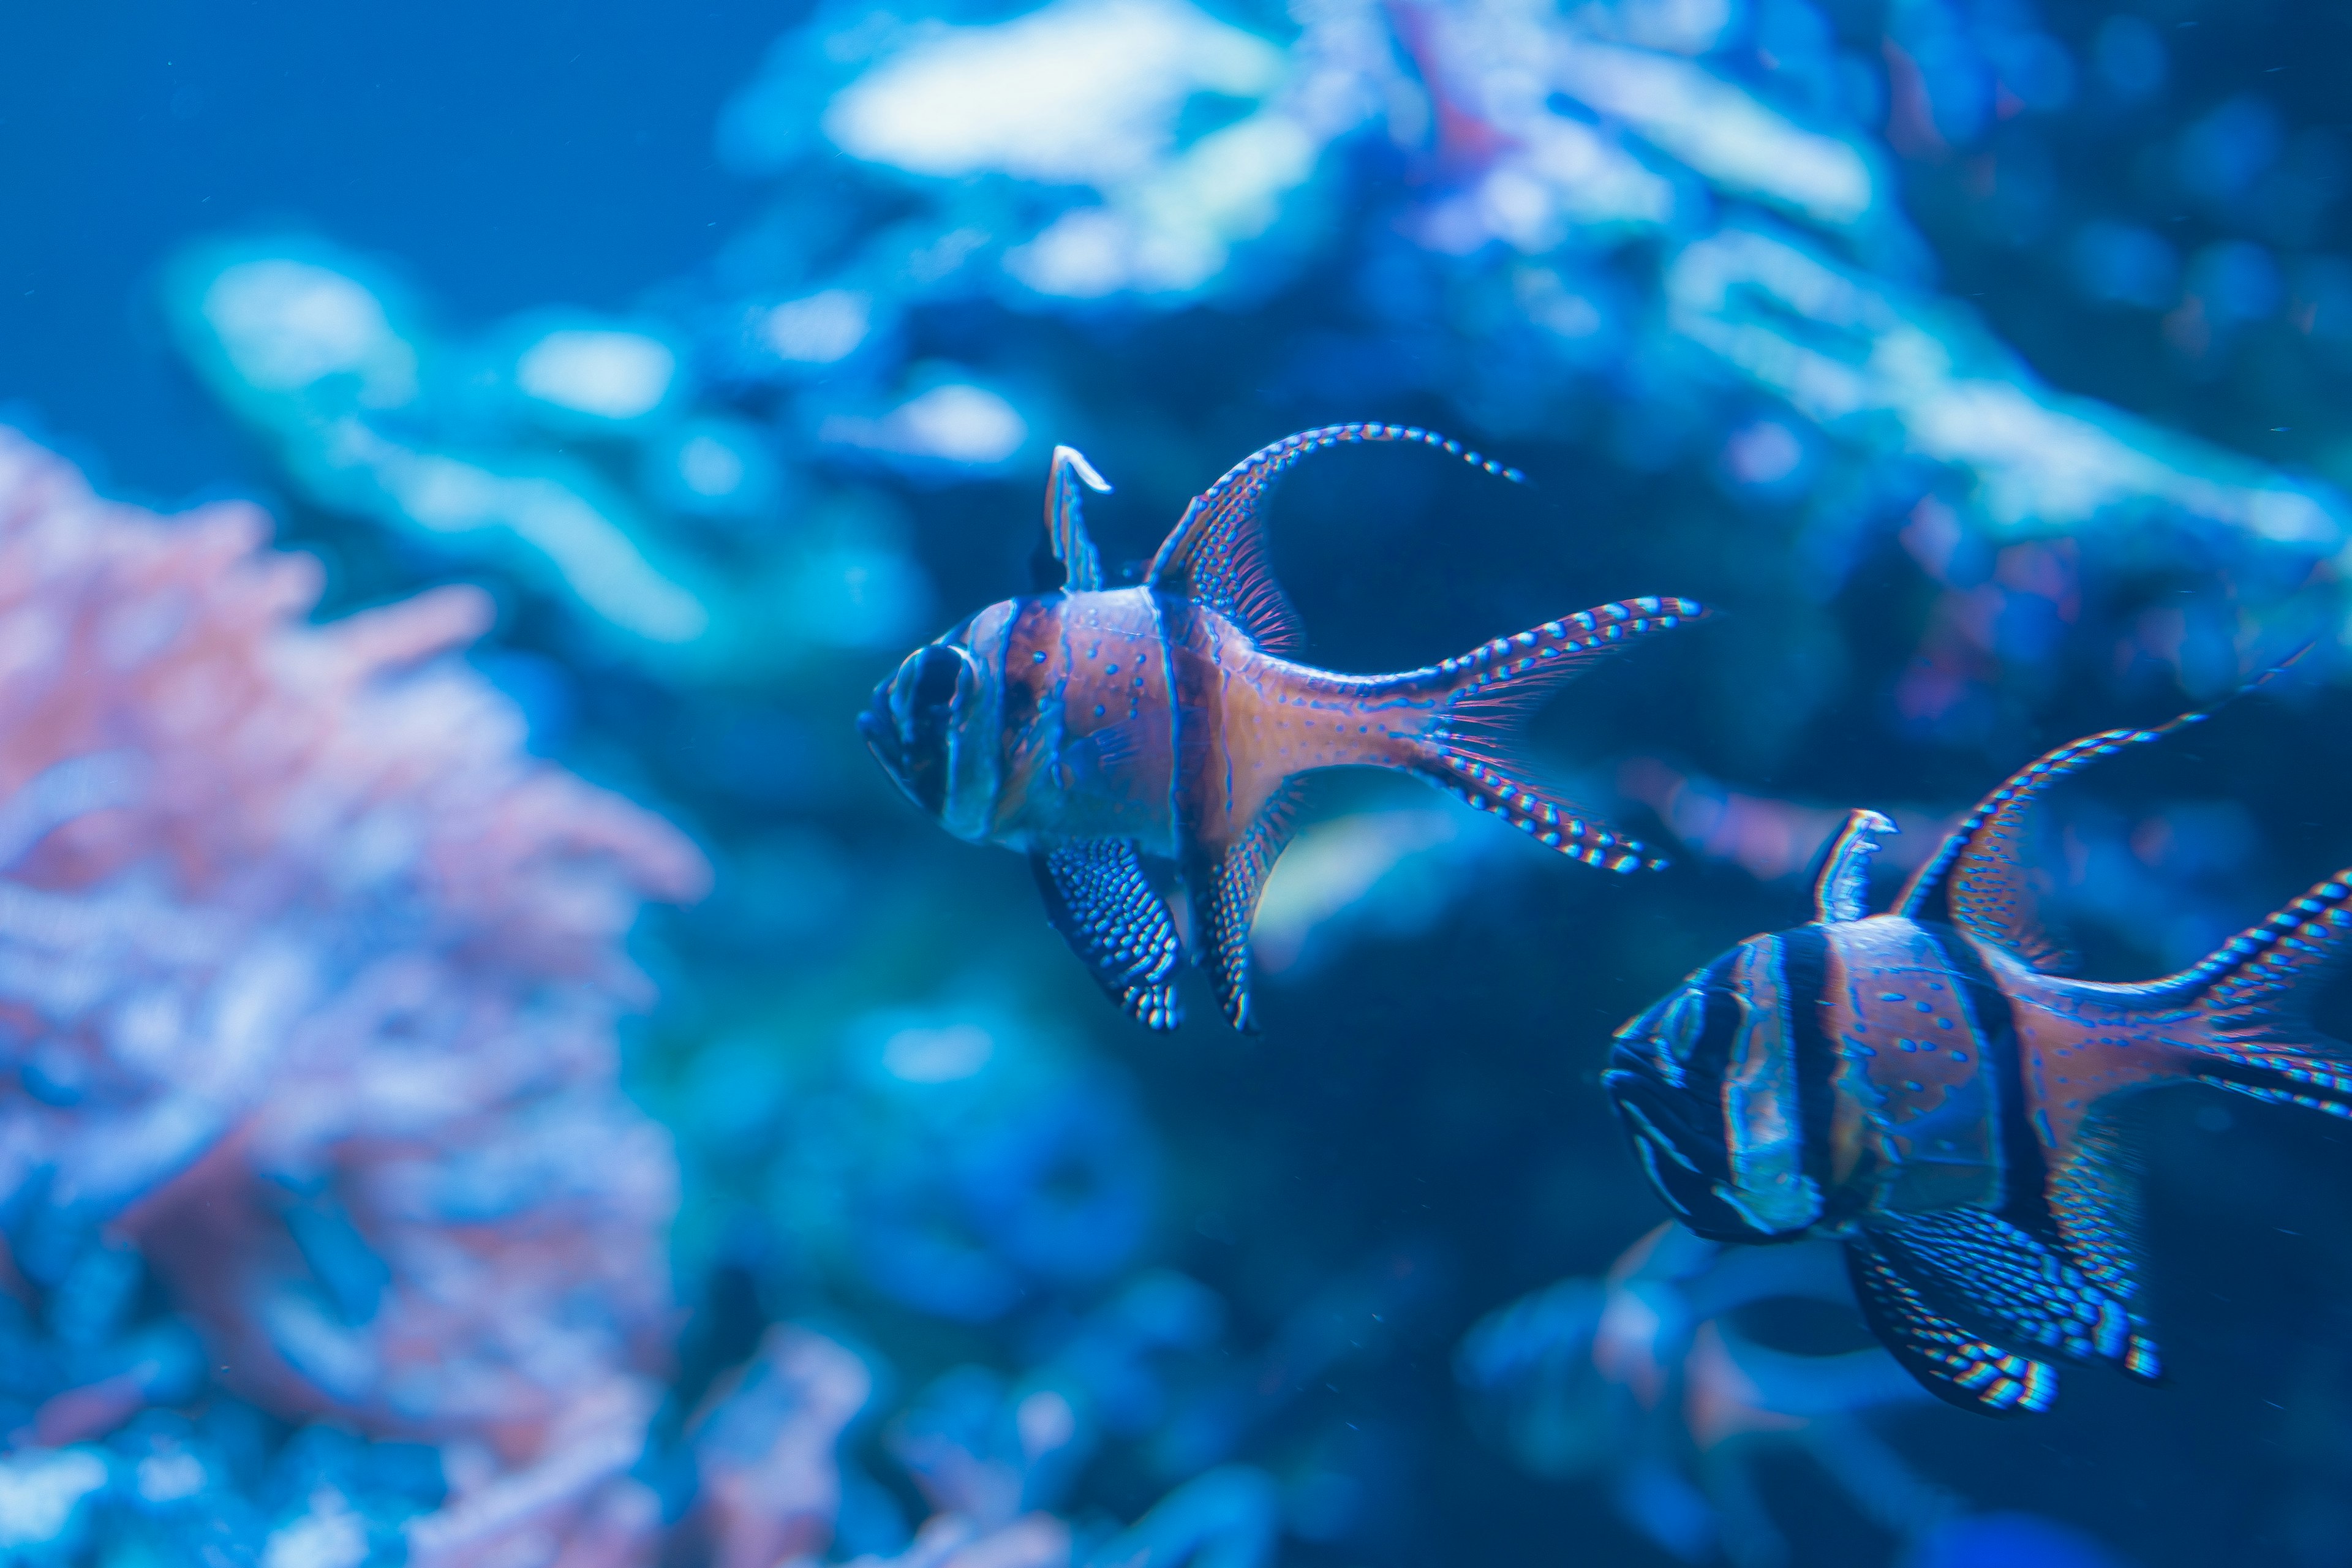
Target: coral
[(309, 977)]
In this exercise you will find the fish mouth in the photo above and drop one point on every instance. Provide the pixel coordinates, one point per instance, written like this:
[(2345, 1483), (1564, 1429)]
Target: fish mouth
[(1686, 1161), (881, 738)]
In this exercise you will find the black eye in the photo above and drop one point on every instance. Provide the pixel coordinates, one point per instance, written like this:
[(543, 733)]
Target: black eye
[(942, 675), (926, 697)]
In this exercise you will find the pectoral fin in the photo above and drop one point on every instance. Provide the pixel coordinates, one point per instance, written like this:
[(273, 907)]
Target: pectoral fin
[(2023, 1287), (1952, 1363), (1099, 899)]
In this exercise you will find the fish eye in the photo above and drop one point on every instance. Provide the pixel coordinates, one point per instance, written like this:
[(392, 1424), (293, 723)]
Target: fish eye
[(932, 686)]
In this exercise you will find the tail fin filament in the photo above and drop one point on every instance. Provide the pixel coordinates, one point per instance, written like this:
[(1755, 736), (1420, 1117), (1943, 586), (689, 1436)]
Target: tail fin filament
[(1485, 696), (2256, 992)]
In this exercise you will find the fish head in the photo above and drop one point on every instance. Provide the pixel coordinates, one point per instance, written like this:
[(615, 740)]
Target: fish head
[(929, 726), (1703, 1084)]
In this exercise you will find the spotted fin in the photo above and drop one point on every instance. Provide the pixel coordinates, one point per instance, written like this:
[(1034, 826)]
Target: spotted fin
[(1982, 1266), (1217, 553), (1478, 702), (1955, 1365), (1842, 892), (1224, 899), (1977, 878), (1065, 523), (1099, 899), (2255, 996), (2094, 1203)]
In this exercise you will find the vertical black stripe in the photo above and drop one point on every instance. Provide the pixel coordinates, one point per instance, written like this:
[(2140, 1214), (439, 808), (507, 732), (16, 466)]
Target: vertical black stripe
[(2024, 1173), (1805, 971)]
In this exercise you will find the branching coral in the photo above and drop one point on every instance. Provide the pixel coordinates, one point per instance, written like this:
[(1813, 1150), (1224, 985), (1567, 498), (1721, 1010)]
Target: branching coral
[(309, 980)]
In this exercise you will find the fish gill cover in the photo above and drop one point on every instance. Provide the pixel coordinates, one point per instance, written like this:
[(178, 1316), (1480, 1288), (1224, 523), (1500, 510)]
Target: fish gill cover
[(1983, 360)]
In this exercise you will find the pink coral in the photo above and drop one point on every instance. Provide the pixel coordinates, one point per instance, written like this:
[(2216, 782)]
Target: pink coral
[(310, 976)]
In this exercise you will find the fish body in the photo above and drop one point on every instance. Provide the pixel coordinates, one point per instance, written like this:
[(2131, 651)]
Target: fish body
[(1095, 728), (1930, 1088)]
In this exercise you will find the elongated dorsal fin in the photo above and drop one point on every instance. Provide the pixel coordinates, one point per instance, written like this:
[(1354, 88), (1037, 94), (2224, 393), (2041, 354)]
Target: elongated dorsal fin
[(1976, 878), (1065, 523), (1217, 553), (1842, 892)]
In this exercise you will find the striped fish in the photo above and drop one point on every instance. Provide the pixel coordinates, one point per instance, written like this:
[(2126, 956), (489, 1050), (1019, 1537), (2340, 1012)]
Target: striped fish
[(1930, 1087), (1096, 729)]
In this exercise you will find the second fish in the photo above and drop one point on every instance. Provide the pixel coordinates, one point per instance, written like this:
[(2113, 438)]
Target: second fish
[(1090, 727)]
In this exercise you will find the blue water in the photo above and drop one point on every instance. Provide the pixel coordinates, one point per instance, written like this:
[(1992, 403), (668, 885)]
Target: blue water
[(1983, 362)]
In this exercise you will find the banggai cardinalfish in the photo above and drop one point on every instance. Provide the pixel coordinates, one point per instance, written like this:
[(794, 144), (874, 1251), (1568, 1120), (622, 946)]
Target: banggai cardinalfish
[(1091, 727), (1928, 1087)]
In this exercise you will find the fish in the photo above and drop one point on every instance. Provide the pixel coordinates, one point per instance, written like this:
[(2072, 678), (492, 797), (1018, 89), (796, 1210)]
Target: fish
[(1933, 1089), (1103, 731)]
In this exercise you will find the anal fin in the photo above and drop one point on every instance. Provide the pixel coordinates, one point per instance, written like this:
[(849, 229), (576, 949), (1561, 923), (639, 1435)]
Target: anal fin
[(2094, 1203), (1954, 1364), (1225, 890), (1098, 896)]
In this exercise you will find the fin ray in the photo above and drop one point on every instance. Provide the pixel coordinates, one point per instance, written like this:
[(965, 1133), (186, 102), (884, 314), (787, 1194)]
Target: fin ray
[(1217, 552), (1976, 879), (1098, 896), (1224, 897), (1972, 1263), (2095, 1206), (1955, 1365), (1482, 699), (1065, 524), (2255, 995)]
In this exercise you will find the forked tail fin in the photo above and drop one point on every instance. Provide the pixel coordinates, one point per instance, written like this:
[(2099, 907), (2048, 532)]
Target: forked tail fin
[(2254, 996), (1482, 701)]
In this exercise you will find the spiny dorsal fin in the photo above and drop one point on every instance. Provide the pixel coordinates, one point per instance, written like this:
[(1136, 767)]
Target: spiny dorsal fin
[(1217, 553), (1065, 523), (1842, 892)]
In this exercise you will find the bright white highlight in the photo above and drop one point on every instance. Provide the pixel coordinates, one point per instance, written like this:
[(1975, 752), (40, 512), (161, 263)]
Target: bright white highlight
[(286, 324), (1080, 92), (824, 328), (609, 375)]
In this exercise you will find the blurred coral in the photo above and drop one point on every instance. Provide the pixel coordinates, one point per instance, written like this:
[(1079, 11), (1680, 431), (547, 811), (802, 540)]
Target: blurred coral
[(310, 978)]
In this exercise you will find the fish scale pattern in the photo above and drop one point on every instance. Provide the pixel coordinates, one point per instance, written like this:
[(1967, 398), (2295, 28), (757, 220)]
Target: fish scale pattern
[(2033, 1290), (1955, 1365), (1099, 898), (1217, 553)]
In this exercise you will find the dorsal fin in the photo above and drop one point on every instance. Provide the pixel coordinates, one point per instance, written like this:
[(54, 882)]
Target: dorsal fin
[(1217, 553), (1842, 892), (1976, 879), (1065, 523)]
